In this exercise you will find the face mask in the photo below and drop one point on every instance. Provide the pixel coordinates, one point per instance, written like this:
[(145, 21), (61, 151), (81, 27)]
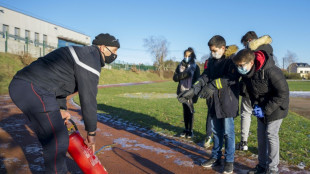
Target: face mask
[(218, 54), (109, 59), (186, 59), (242, 70)]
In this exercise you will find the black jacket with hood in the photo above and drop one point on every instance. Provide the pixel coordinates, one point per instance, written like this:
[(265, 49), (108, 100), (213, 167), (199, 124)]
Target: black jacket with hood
[(267, 86), (61, 74), (225, 102)]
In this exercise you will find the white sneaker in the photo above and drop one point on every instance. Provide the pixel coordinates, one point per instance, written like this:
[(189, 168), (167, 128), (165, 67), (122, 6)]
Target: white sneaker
[(207, 142)]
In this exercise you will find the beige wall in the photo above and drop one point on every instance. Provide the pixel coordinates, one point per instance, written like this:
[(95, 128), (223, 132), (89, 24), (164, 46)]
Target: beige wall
[(24, 22)]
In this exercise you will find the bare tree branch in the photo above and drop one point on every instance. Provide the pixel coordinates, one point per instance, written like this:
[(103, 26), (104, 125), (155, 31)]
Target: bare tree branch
[(158, 48), (289, 59)]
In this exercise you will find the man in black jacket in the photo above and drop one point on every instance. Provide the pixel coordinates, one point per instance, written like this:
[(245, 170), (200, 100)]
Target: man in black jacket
[(219, 84), (40, 89), (269, 96)]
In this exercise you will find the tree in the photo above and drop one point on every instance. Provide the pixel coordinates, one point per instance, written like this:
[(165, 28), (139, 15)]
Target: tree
[(288, 59), (275, 58), (204, 58), (158, 47)]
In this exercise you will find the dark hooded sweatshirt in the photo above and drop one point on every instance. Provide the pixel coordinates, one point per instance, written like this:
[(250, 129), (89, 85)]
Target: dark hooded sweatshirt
[(267, 87), (59, 73)]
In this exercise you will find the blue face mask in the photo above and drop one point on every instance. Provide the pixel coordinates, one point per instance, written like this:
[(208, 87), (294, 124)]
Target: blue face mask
[(186, 59), (242, 70)]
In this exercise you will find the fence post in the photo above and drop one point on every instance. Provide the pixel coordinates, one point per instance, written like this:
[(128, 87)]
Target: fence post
[(6, 41), (27, 44), (43, 48)]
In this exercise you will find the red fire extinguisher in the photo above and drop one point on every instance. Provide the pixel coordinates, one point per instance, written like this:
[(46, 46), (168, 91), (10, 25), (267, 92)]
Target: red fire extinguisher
[(82, 155)]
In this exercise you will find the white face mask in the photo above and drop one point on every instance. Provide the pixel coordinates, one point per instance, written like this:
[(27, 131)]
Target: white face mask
[(218, 54), (186, 59)]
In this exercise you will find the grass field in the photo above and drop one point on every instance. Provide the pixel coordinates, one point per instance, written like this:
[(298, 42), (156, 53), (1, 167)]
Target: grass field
[(165, 115), (10, 64), (299, 85)]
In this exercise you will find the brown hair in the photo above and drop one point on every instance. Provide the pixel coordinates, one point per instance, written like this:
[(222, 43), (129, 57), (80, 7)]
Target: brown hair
[(244, 55)]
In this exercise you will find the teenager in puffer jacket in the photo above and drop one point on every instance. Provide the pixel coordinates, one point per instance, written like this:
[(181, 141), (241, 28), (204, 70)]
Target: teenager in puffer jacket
[(269, 96), (187, 73)]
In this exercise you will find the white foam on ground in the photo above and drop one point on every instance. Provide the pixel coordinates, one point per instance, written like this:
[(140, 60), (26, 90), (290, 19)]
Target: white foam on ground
[(302, 94)]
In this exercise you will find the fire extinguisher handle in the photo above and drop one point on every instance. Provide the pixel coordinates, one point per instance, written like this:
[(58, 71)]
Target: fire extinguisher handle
[(75, 127)]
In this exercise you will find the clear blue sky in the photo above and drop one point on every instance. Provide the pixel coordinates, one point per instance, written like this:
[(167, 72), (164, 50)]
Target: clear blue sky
[(183, 23)]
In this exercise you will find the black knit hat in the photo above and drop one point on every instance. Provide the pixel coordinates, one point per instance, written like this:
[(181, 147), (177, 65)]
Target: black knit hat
[(107, 40)]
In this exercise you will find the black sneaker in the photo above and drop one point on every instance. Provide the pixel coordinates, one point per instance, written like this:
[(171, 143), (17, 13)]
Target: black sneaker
[(211, 162), (183, 134), (257, 170), (229, 167), (190, 135), (271, 172), (243, 145)]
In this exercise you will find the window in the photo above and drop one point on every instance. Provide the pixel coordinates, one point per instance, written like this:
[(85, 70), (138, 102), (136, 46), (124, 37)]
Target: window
[(36, 39), (44, 39), (306, 71), (5, 29), (17, 33), (301, 72), (27, 35)]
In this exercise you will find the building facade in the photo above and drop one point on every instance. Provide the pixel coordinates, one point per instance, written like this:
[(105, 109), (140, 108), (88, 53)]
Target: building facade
[(21, 33), (302, 68)]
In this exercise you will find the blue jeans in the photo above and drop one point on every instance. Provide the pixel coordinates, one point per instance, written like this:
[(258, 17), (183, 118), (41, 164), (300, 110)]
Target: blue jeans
[(223, 128)]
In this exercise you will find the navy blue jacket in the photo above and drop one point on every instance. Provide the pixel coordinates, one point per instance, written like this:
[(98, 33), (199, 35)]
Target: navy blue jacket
[(61, 74)]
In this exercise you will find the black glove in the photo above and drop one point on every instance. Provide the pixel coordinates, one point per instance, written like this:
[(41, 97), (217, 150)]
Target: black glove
[(207, 91), (184, 96), (198, 85)]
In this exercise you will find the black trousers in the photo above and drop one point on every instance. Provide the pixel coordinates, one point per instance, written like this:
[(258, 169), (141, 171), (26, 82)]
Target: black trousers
[(188, 117), (42, 109)]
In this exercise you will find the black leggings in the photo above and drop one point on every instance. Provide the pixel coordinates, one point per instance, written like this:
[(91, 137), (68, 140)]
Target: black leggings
[(188, 118), (42, 109)]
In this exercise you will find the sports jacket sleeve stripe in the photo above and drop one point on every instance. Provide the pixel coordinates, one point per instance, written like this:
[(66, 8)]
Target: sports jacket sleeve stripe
[(83, 65)]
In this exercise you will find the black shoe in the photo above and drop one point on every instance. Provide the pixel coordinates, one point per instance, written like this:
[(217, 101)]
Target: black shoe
[(229, 167), (183, 134), (190, 135), (257, 170), (211, 162), (271, 172), (243, 145)]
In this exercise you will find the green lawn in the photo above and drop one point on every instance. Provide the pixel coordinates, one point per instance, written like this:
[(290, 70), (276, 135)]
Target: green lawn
[(299, 85), (165, 116)]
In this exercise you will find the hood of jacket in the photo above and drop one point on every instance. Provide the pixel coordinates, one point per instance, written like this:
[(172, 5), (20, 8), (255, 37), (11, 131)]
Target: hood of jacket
[(262, 43), (230, 50)]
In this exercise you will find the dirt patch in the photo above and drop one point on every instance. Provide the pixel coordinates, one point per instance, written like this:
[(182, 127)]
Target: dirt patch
[(301, 106)]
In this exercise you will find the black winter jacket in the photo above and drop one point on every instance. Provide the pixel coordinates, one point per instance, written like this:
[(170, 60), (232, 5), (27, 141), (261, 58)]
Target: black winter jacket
[(225, 102), (267, 87), (262, 43), (62, 75), (178, 76)]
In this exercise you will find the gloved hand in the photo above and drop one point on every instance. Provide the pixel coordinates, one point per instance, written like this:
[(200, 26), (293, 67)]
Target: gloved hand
[(258, 112), (207, 91), (186, 95)]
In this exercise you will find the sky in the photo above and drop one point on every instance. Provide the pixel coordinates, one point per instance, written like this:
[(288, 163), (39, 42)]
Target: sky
[(182, 23)]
